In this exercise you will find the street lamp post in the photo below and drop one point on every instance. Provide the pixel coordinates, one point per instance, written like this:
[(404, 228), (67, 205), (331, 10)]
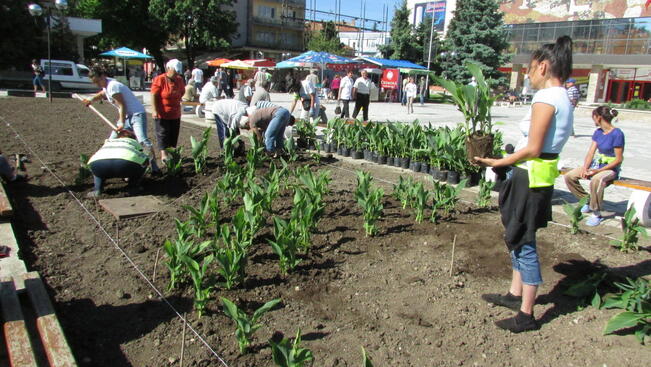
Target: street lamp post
[(35, 10)]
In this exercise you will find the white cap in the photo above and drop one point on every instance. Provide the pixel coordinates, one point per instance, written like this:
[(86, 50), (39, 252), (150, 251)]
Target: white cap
[(244, 121), (175, 64)]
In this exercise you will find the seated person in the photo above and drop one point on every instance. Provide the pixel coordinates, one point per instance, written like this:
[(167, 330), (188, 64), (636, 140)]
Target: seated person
[(8, 173), (190, 92), (270, 121), (121, 157), (601, 167)]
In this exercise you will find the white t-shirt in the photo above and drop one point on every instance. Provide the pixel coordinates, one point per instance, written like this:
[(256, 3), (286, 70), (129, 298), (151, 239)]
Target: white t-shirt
[(411, 89), (308, 88), (363, 85), (197, 75), (131, 103), (230, 111), (560, 128), (346, 88), (208, 92)]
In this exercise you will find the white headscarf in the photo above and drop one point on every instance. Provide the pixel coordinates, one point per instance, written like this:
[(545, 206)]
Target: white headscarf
[(176, 65)]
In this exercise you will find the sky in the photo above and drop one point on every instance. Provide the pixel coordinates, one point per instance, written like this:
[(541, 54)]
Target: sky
[(354, 8)]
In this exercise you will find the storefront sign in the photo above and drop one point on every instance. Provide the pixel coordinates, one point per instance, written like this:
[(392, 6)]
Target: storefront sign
[(390, 79), (643, 74)]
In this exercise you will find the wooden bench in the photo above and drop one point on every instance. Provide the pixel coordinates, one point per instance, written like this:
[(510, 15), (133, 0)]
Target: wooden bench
[(197, 107), (22, 347), (640, 198)]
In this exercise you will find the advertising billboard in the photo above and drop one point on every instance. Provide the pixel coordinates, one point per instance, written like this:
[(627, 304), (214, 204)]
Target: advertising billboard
[(432, 9), (538, 11)]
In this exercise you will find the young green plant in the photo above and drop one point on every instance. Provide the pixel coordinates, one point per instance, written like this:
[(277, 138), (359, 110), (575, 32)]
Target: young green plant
[(198, 274), (285, 244), (200, 150), (370, 200), (635, 300), (180, 248), (575, 214), (246, 325), (290, 354), (484, 195), (174, 162), (631, 228), (84, 170)]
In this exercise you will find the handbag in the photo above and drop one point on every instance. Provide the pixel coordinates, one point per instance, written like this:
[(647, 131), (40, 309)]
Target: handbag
[(338, 109)]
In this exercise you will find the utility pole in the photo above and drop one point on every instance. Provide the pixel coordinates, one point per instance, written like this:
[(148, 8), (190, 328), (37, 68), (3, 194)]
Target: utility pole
[(429, 57), (361, 45)]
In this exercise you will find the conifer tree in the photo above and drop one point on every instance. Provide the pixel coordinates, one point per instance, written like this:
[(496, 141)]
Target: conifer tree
[(476, 33)]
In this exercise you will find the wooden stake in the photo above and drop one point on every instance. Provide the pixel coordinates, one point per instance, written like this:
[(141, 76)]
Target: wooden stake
[(153, 278), (454, 242), (185, 322)]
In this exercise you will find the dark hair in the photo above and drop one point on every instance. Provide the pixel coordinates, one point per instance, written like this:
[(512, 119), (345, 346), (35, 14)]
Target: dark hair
[(126, 133), (292, 120), (559, 55), (605, 112), (97, 71)]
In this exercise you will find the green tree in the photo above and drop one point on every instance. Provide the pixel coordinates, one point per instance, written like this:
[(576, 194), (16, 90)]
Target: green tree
[(404, 43), (125, 23), (327, 40), (476, 33), (198, 24), (24, 37)]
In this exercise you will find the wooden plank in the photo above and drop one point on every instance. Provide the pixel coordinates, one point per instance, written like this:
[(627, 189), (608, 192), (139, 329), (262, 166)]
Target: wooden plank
[(54, 341), (5, 205), (132, 206), (11, 266), (19, 347), (633, 184), (190, 103)]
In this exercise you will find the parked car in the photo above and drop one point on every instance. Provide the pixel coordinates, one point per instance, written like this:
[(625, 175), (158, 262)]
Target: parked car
[(67, 75)]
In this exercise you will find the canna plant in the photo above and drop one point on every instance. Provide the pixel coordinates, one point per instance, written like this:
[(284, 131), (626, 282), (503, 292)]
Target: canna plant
[(246, 325), (402, 189), (290, 354), (366, 360), (290, 148), (255, 155), (631, 228), (484, 196), (370, 200), (231, 258), (304, 216), (200, 151), (285, 244), (635, 300), (575, 215), (174, 163), (445, 197), (231, 144), (419, 198), (198, 274), (180, 248), (200, 218), (84, 170)]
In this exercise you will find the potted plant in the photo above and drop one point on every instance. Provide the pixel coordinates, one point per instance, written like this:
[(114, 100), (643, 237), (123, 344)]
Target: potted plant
[(475, 104)]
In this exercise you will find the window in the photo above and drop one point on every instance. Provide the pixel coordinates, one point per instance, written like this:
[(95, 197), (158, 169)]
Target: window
[(266, 11), (266, 37)]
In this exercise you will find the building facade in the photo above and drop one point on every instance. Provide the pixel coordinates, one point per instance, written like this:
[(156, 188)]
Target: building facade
[(271, 29), (612, 41), (365, 43)]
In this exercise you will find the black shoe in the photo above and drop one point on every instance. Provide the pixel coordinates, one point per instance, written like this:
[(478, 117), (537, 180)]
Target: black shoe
[(518, 323), (507, 300)]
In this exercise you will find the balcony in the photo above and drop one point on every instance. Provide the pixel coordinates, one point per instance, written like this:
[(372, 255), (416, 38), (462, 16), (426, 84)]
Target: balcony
[(284, 22), (277, 45), (290, 3)]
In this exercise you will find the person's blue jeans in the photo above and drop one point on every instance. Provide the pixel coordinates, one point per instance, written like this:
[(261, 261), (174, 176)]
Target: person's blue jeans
[(422, 99), (116, 168), (525, 260), (221, 130), (37, 81), (138, 123), (274, 136)]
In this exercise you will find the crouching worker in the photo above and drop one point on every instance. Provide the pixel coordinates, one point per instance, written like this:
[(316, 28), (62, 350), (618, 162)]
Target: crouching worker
[(228, 113), (270, 121), (121, 157)]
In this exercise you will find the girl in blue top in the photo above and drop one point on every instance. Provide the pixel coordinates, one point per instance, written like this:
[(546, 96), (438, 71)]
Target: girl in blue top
[(525, 198), (601, 165)]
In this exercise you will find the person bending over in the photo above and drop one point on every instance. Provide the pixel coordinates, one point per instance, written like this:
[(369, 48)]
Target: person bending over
[(271, 122), (601, 165), (120, 157)]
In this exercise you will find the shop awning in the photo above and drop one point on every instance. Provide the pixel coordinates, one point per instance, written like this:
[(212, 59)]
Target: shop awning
[(394, 64)]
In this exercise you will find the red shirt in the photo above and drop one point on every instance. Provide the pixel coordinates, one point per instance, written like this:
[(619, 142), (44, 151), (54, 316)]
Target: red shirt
[(167, 96)]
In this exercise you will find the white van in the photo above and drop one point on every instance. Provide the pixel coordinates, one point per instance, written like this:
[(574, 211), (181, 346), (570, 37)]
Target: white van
[(67, 75)]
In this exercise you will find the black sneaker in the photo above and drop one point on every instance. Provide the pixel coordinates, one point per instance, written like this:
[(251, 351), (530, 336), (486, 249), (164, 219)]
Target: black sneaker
[(518, 323), (507, 300)]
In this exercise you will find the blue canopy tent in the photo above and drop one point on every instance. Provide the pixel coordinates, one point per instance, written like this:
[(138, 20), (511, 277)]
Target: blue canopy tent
[(314, 57), (125, 53)]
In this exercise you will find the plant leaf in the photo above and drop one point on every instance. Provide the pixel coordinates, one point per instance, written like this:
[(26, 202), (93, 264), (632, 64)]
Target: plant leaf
[(623, 320)]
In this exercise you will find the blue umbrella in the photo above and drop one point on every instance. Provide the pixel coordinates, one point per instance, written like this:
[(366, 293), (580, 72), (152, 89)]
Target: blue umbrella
[(320, 58), (126, 53)]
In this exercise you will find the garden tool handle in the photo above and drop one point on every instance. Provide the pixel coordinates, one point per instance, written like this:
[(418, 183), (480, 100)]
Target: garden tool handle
[(108, 122)]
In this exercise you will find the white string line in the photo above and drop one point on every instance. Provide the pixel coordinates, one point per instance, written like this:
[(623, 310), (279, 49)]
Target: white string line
[(116, 245), (470, 202)]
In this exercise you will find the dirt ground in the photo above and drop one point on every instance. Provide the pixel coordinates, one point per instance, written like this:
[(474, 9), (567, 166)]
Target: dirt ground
[(392, 294)]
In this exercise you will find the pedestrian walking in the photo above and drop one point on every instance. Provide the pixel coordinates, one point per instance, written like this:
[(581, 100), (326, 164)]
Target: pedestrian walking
[(38, 72), (361, 94), (411, 89), (166, 92), (345, 94)]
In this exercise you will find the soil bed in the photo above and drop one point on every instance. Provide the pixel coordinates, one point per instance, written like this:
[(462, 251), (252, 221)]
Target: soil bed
[(391, 294)]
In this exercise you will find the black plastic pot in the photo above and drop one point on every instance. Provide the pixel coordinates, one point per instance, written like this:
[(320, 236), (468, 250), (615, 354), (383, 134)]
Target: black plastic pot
[(345, 151), (389, 161), (325, 147), (311, 146), (473, 178), (367, 155), (424, 168), (301, 143), (434, 171), (355, 154), (453, 177), (396, 162), (414, 166), (340, 150), (404, 162), (374, 156), (442, 175), (382, 159)]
